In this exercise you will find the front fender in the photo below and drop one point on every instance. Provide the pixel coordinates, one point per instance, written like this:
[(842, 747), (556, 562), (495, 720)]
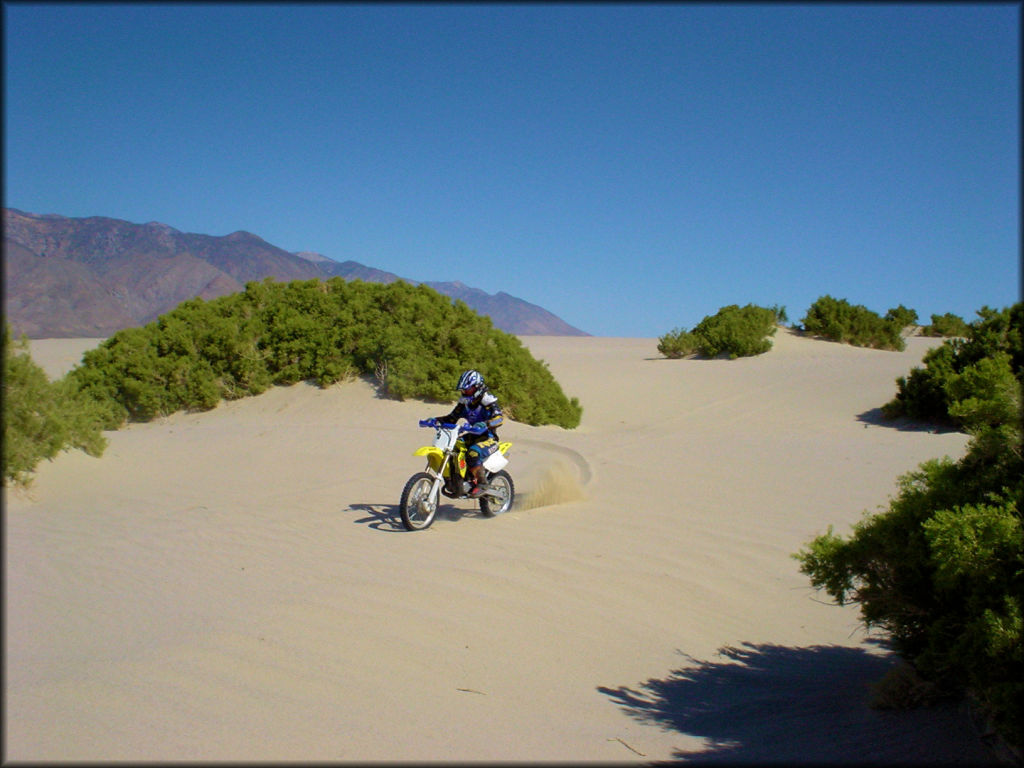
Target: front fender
[(434, 456)]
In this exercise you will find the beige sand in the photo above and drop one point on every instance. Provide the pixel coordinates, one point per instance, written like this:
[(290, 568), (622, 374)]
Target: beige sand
[(236, 585)]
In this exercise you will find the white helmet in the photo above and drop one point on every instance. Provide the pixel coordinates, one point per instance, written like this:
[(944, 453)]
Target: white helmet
[(470, 383)]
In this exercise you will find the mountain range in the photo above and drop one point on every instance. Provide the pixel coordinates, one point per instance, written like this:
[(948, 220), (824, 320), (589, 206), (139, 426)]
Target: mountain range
[(89, 277)]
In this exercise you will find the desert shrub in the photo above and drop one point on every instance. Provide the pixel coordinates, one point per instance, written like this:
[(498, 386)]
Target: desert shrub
[(736, 331), (947, 325), (967, 381), (838, 320), (902, 687), (941, 571), (41, 418), (733, 330), (985, 393), (413, 340), (921, 394), (901, 317), (677, 343)]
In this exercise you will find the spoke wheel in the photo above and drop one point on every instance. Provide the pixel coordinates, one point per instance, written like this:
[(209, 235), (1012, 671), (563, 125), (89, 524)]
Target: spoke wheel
[(417, 507), (501, 483)]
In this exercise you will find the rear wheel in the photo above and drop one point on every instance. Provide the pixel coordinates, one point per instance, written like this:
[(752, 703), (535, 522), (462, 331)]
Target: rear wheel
[(418, 505), (501, 483)]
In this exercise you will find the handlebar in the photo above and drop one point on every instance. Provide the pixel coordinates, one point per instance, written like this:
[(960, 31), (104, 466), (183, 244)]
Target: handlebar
[(437, 424), (445, 425)]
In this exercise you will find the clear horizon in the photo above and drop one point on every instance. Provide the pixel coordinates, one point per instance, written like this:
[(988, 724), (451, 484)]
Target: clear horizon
[(629, 168)]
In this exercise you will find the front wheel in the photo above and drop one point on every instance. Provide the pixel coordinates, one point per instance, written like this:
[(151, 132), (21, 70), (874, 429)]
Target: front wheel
[(419, 502), (501, 483)]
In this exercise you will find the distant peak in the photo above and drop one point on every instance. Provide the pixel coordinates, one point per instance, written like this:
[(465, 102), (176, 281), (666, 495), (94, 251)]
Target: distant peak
[(161, 226), (312, 256), (30, 215)]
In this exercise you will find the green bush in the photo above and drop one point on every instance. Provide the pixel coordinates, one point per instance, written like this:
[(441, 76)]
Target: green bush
[(733, 330), (41, 418), (901, 317), (677, 343), (942, 572), (411, 339), (838, 320), (947, 325), (967, 382), (736, 331)]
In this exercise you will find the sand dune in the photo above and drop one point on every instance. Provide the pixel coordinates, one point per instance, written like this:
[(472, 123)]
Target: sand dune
[(236, 584)]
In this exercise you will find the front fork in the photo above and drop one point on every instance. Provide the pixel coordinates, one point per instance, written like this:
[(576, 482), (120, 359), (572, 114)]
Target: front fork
[(435, 490)]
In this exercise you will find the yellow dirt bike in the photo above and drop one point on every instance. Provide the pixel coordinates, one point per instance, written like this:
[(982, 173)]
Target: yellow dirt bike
[(446, 473)]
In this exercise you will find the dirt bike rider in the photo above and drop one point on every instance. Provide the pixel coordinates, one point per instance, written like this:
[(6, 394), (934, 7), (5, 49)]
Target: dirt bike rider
[(479, 406)]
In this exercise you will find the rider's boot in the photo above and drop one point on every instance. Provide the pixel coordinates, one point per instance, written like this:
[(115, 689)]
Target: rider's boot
[(479, 481)]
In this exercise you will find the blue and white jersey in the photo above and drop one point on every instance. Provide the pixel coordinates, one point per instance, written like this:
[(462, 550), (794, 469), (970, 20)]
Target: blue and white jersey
[(486, 410)]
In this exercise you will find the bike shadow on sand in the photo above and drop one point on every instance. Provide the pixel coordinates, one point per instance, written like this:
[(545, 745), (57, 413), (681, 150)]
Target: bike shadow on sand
[(770, 703), (387, 518)]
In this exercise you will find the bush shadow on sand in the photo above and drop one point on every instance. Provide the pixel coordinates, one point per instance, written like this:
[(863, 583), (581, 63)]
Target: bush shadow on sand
[(769, 703), (877, 418)]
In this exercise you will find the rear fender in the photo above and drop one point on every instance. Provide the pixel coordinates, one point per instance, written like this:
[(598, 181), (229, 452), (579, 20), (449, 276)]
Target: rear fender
[(497, 460)]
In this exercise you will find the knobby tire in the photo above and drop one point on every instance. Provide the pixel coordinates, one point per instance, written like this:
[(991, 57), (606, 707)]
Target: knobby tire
[(417, 489), (490, 506)]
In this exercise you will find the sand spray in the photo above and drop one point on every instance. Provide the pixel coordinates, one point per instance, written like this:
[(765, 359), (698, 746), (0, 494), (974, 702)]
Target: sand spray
[(558, 485)]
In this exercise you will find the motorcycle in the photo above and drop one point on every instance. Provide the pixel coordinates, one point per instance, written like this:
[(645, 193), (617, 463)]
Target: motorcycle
[(446, 473)]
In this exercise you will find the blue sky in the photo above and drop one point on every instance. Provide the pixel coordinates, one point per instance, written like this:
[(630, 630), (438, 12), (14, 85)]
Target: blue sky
[(631, 168)]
